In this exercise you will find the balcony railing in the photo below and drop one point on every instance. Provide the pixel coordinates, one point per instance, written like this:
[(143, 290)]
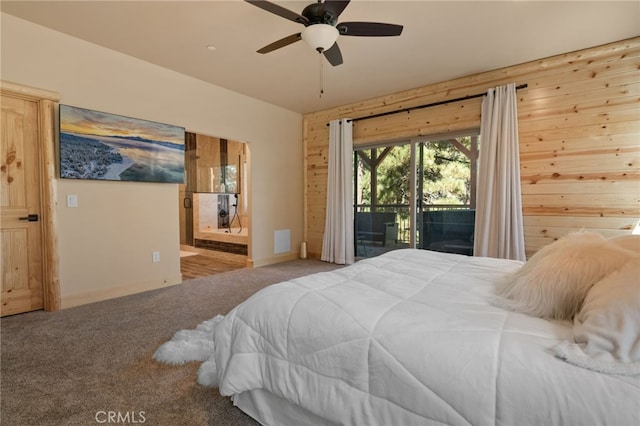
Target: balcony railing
[(451, 230)]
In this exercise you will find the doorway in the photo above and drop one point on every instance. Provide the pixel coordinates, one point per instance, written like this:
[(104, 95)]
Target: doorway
[(418, 193), (214, 206)]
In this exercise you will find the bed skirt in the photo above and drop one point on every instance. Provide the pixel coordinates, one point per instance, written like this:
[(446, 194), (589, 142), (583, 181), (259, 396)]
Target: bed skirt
[(270, 410)]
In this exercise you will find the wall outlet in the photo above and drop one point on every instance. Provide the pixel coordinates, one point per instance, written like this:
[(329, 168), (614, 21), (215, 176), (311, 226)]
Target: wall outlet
[(155, 256)]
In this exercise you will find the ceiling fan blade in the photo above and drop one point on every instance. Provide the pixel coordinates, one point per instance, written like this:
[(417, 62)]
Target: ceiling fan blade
[(279, 10), (281, 43), (369, 29), (333, 55), (335, 6)]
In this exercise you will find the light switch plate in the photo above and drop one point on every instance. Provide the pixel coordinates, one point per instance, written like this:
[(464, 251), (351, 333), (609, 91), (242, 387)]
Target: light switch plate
[(72, 200)]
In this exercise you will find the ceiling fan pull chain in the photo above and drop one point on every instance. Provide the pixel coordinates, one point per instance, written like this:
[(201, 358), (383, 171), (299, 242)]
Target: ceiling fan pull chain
[(321, 74)]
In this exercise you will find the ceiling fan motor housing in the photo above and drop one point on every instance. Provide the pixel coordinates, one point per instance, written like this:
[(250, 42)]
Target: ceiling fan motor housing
[(316, 14)]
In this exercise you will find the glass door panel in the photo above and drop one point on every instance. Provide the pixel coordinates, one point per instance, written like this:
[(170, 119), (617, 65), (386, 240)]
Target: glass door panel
[(446, 194), (382, 195), (416, 194)]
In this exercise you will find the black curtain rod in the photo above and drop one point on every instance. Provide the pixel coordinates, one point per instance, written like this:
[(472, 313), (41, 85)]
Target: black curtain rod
[(464, 98)]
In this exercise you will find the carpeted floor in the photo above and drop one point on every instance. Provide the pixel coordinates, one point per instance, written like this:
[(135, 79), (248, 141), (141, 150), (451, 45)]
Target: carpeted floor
[(81, 365)]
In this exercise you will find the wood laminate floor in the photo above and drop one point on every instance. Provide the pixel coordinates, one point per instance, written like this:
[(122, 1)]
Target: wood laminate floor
[(200, 266)]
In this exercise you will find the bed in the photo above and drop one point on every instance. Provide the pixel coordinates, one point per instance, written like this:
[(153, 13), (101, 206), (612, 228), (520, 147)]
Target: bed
[(412, 337)]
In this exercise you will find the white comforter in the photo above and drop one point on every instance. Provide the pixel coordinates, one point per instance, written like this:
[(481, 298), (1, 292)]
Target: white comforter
[(411, 338)]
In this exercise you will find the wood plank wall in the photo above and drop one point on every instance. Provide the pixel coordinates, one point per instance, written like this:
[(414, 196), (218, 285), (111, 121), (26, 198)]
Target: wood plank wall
[(579, 127)]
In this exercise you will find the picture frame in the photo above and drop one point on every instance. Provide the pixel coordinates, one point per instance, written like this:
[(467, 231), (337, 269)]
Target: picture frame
[(97, 145)]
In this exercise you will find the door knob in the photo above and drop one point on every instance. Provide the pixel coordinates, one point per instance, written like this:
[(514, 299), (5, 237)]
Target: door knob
[(30, 218)]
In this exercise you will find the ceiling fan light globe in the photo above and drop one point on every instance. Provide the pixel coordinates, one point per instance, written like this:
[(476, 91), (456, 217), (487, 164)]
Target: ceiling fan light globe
[(320, 36)]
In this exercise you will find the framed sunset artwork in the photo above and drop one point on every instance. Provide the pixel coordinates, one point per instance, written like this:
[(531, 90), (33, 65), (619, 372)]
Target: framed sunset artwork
[(102, 146)]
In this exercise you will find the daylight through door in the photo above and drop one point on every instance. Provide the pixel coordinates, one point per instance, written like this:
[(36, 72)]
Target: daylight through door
[(419, 193)]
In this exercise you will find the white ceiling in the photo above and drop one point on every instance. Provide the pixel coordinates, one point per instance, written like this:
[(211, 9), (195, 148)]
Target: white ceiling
[(441, 40)]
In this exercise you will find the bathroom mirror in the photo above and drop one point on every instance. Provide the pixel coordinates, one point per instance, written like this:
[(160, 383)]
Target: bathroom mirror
[(218, 179), (214, 164)]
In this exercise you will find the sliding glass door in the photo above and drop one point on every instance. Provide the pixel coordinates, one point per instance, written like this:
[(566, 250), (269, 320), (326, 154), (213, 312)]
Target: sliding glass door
[(382, 199), (418, 193)]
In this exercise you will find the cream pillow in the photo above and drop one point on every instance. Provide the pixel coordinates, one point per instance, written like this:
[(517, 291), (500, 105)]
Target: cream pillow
[(555, 281), (607, 329), (629, 242)]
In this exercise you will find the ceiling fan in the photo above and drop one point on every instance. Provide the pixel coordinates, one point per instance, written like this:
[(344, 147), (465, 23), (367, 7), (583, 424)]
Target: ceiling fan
[(321, 28)]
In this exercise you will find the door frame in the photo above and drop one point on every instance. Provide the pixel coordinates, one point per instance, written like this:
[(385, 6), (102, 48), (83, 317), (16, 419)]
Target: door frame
[(47, 103)]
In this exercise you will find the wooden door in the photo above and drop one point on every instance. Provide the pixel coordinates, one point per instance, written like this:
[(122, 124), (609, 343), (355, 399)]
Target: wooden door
[(20, 207)]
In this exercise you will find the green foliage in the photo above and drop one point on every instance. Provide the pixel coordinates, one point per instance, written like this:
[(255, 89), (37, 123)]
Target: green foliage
[(444, 176), (393, 177)]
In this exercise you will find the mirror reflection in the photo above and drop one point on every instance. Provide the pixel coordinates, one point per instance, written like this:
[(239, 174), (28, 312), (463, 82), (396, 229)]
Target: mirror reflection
[(214, 164)]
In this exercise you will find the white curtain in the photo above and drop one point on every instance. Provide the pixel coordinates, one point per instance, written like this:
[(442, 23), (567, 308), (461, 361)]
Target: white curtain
[(337, 242), (499, 228)]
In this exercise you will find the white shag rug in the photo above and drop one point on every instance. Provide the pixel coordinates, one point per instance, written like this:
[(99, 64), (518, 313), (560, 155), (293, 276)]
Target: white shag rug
[(193, 345)]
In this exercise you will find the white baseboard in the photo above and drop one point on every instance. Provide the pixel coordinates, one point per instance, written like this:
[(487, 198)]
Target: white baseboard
[(273, 260)]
